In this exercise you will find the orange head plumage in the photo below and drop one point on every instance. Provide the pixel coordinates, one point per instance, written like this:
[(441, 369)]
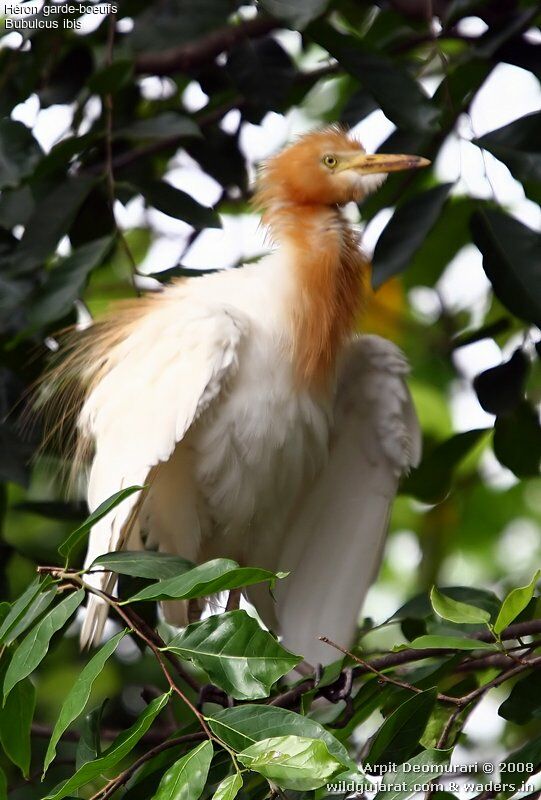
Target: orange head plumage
[(326, 168)]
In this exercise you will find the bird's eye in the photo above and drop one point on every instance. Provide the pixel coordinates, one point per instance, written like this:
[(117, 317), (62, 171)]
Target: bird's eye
[(330, 161)]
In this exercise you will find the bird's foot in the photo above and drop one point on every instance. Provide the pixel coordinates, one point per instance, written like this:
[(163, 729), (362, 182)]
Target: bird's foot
[(341, 688), (212, 694)]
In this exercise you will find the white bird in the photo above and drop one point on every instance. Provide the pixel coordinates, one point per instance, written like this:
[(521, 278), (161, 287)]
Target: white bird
[(265, 429)]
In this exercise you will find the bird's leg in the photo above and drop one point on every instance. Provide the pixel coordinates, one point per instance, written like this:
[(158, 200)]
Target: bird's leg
[(233, 601), (341, 688), (194, 610), (212, 694)]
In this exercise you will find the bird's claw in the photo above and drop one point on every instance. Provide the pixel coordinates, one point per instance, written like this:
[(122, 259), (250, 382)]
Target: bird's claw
[(341, 688)]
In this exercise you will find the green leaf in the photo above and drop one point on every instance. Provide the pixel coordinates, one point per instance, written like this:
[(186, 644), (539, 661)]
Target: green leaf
[(34, 646), (15, 725), (406, 778), (185, 780), (20, 606), (49, 222), (112, 77), (406, 231), (432, 480), (454, 611), (257, 62), (239, 656), (180, 205), (89, 744), (162, 126), (119, 749), (419, 607), (297, 14), (228, 788), (36, 608), (524, 702), (517, 440), (66, 281), (433, 642), (79, 694), (518, 145), (399, 96), (500, 389), (530, 753), (398, 737), (515, 602), (512, 262), (241, 726), (144, 564), (204, 580), (19, 153), (293, 762), (79, 534)]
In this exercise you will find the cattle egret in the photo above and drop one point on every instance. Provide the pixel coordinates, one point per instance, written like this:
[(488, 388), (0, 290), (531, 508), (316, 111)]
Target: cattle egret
[(264, 428)]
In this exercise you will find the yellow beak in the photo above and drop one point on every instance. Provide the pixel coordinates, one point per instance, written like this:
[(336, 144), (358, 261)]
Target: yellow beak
[(370, 164)]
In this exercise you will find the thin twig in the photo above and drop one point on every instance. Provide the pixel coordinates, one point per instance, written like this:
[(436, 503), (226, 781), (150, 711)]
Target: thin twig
[(115, 783), (444, 698)]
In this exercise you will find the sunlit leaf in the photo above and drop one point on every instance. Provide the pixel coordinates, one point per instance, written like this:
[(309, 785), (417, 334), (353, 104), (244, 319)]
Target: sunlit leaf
[(293, 762), (244, 725), (515, 602), (455, 611), (433, 642)]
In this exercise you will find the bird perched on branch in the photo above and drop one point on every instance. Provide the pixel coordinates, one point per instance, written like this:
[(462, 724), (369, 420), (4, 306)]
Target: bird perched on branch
[(264, 429)]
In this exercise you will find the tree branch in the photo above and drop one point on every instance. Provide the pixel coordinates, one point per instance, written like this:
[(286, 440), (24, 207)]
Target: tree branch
[(193, 54), (389, 660)]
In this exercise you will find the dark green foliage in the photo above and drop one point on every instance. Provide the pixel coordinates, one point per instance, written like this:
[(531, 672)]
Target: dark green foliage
[(213, 711)]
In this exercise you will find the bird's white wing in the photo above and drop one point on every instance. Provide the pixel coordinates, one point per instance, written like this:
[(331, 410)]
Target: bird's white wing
[(333, 547), (164, 374)]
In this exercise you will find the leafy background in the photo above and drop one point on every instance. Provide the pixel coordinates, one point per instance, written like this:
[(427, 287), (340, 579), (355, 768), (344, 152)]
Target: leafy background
[(127, 151)]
